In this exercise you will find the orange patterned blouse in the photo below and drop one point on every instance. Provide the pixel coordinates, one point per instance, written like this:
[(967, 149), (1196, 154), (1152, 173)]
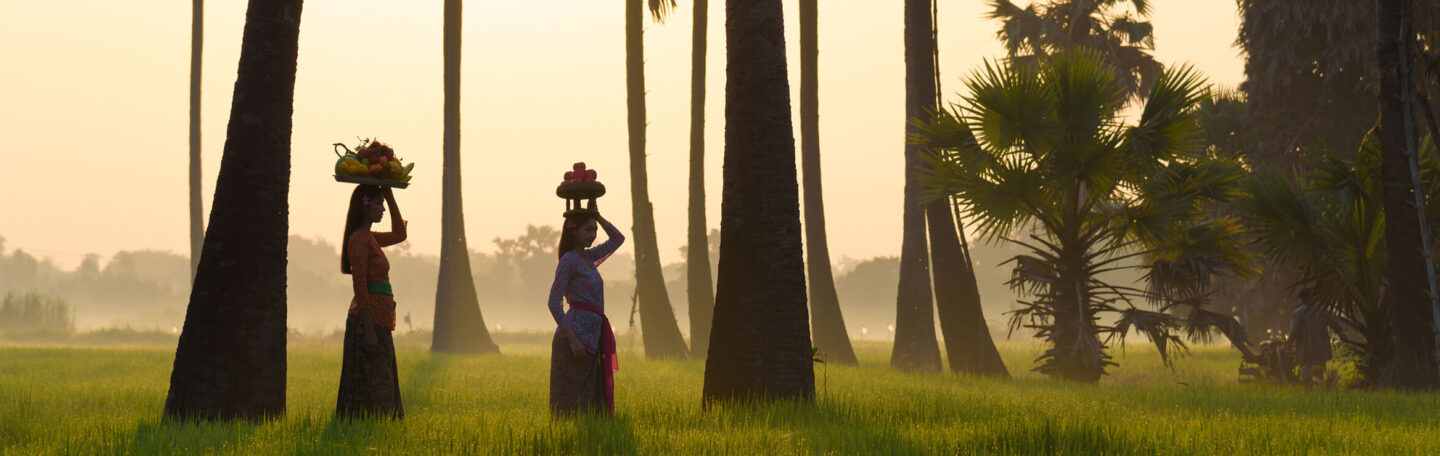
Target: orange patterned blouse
[(368, 264)]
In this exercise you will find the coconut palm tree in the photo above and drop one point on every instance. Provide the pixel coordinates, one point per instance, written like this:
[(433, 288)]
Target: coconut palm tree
[(915, 345), (826, 322), (1410, 275), (459, 326), (197, 205), (1049, 154), (760, 345), (230, 361), (657, 317), (1045, 28), (699, 288)]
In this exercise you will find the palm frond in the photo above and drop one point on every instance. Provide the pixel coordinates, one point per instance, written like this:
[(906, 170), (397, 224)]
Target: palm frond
[(1009, 107), (1167, 126), (1159, 327), (660, 10)]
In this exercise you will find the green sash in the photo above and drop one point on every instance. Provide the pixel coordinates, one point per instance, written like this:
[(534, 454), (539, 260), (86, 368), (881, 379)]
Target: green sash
[(382, 288)]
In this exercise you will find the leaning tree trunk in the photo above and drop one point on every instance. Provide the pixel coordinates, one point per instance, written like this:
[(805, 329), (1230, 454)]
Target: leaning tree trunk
[(657, 318), (1412, 362), (968, 345), (760, 347), (230, 361), (699, 288), (915, 345), (197, 206), (826, 321), (459, 327)]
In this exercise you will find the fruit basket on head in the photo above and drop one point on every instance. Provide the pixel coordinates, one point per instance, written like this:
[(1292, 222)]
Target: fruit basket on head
[(580, 185), (371, 163)]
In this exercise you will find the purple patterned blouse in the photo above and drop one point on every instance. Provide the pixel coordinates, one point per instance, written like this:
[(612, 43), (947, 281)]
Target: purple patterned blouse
[(578, 280)]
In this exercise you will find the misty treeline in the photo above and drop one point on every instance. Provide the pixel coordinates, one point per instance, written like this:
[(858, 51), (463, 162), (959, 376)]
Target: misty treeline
[(148, 289)]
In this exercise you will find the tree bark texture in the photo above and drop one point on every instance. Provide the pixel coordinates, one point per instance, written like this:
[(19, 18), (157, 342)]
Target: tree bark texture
[(660, 331), (760, 345), (968, 345), (915, 345), (826, 321), (1412, 362), (459, 326), (230, 361), (197, 205), (699, 288)]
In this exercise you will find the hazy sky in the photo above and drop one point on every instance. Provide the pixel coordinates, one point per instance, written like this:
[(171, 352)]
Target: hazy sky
[(94, 106)]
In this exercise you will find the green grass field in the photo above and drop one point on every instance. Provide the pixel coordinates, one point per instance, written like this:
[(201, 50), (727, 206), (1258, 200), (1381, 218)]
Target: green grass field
[(67, 400)]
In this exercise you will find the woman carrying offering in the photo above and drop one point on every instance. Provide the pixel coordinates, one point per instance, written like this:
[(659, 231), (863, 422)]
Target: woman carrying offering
[(582, 356), (369, 385)]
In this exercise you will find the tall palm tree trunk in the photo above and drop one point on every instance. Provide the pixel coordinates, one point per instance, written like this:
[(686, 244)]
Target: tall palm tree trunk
[(1412, 363), (459, 327), (915, 345), (826, 321), (968, 345), (230, 361), (699, 288), (657, 318), (197, 206), (760, 347)]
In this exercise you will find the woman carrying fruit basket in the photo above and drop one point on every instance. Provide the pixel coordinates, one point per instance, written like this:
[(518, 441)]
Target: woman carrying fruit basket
[(369, 385), (582, 355)]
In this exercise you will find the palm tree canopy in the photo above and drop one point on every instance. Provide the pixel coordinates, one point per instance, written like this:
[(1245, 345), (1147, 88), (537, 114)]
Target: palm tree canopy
[(1044, 148), (1110, 27)]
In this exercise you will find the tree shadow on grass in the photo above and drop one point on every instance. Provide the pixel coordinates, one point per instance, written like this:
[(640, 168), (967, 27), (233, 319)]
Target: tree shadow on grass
[(600, 434), (165, 436), (820, 427), (362, 433)]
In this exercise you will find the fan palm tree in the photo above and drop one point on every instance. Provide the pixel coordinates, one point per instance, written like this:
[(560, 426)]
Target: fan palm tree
[(700, 289), (230, 361), (760, 347), (1329, 223), (459, 326), (1045, 28), (1049, 154), (661, 333), (827, 324)]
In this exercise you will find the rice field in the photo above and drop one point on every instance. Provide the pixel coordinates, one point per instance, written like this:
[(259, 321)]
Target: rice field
[(68, 400)]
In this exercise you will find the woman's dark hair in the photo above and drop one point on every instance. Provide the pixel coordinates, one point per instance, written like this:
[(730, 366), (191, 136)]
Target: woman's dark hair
[(357, 218), (573, 222)]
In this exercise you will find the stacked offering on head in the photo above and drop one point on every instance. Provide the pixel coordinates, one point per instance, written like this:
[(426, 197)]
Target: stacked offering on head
[(579, 185), (372, 162)]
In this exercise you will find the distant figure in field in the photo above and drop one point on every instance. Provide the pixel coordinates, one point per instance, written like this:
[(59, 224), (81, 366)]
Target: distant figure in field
[(369, 385), (1310, 337), (582, 354)]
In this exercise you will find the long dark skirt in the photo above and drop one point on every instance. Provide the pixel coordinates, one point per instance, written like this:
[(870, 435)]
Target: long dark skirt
[(369, 386), (576, 384)]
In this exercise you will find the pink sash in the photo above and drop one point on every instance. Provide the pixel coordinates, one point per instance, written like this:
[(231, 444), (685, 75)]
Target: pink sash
[(606, 350)]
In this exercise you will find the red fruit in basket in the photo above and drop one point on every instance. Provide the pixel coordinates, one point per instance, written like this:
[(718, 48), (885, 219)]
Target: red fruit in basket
[(384, 161), (590, 175), (376, 170), (580, 166), (569, 176)]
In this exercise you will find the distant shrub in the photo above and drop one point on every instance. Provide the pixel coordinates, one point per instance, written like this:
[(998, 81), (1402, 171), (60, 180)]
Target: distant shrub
[(33, 311)]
